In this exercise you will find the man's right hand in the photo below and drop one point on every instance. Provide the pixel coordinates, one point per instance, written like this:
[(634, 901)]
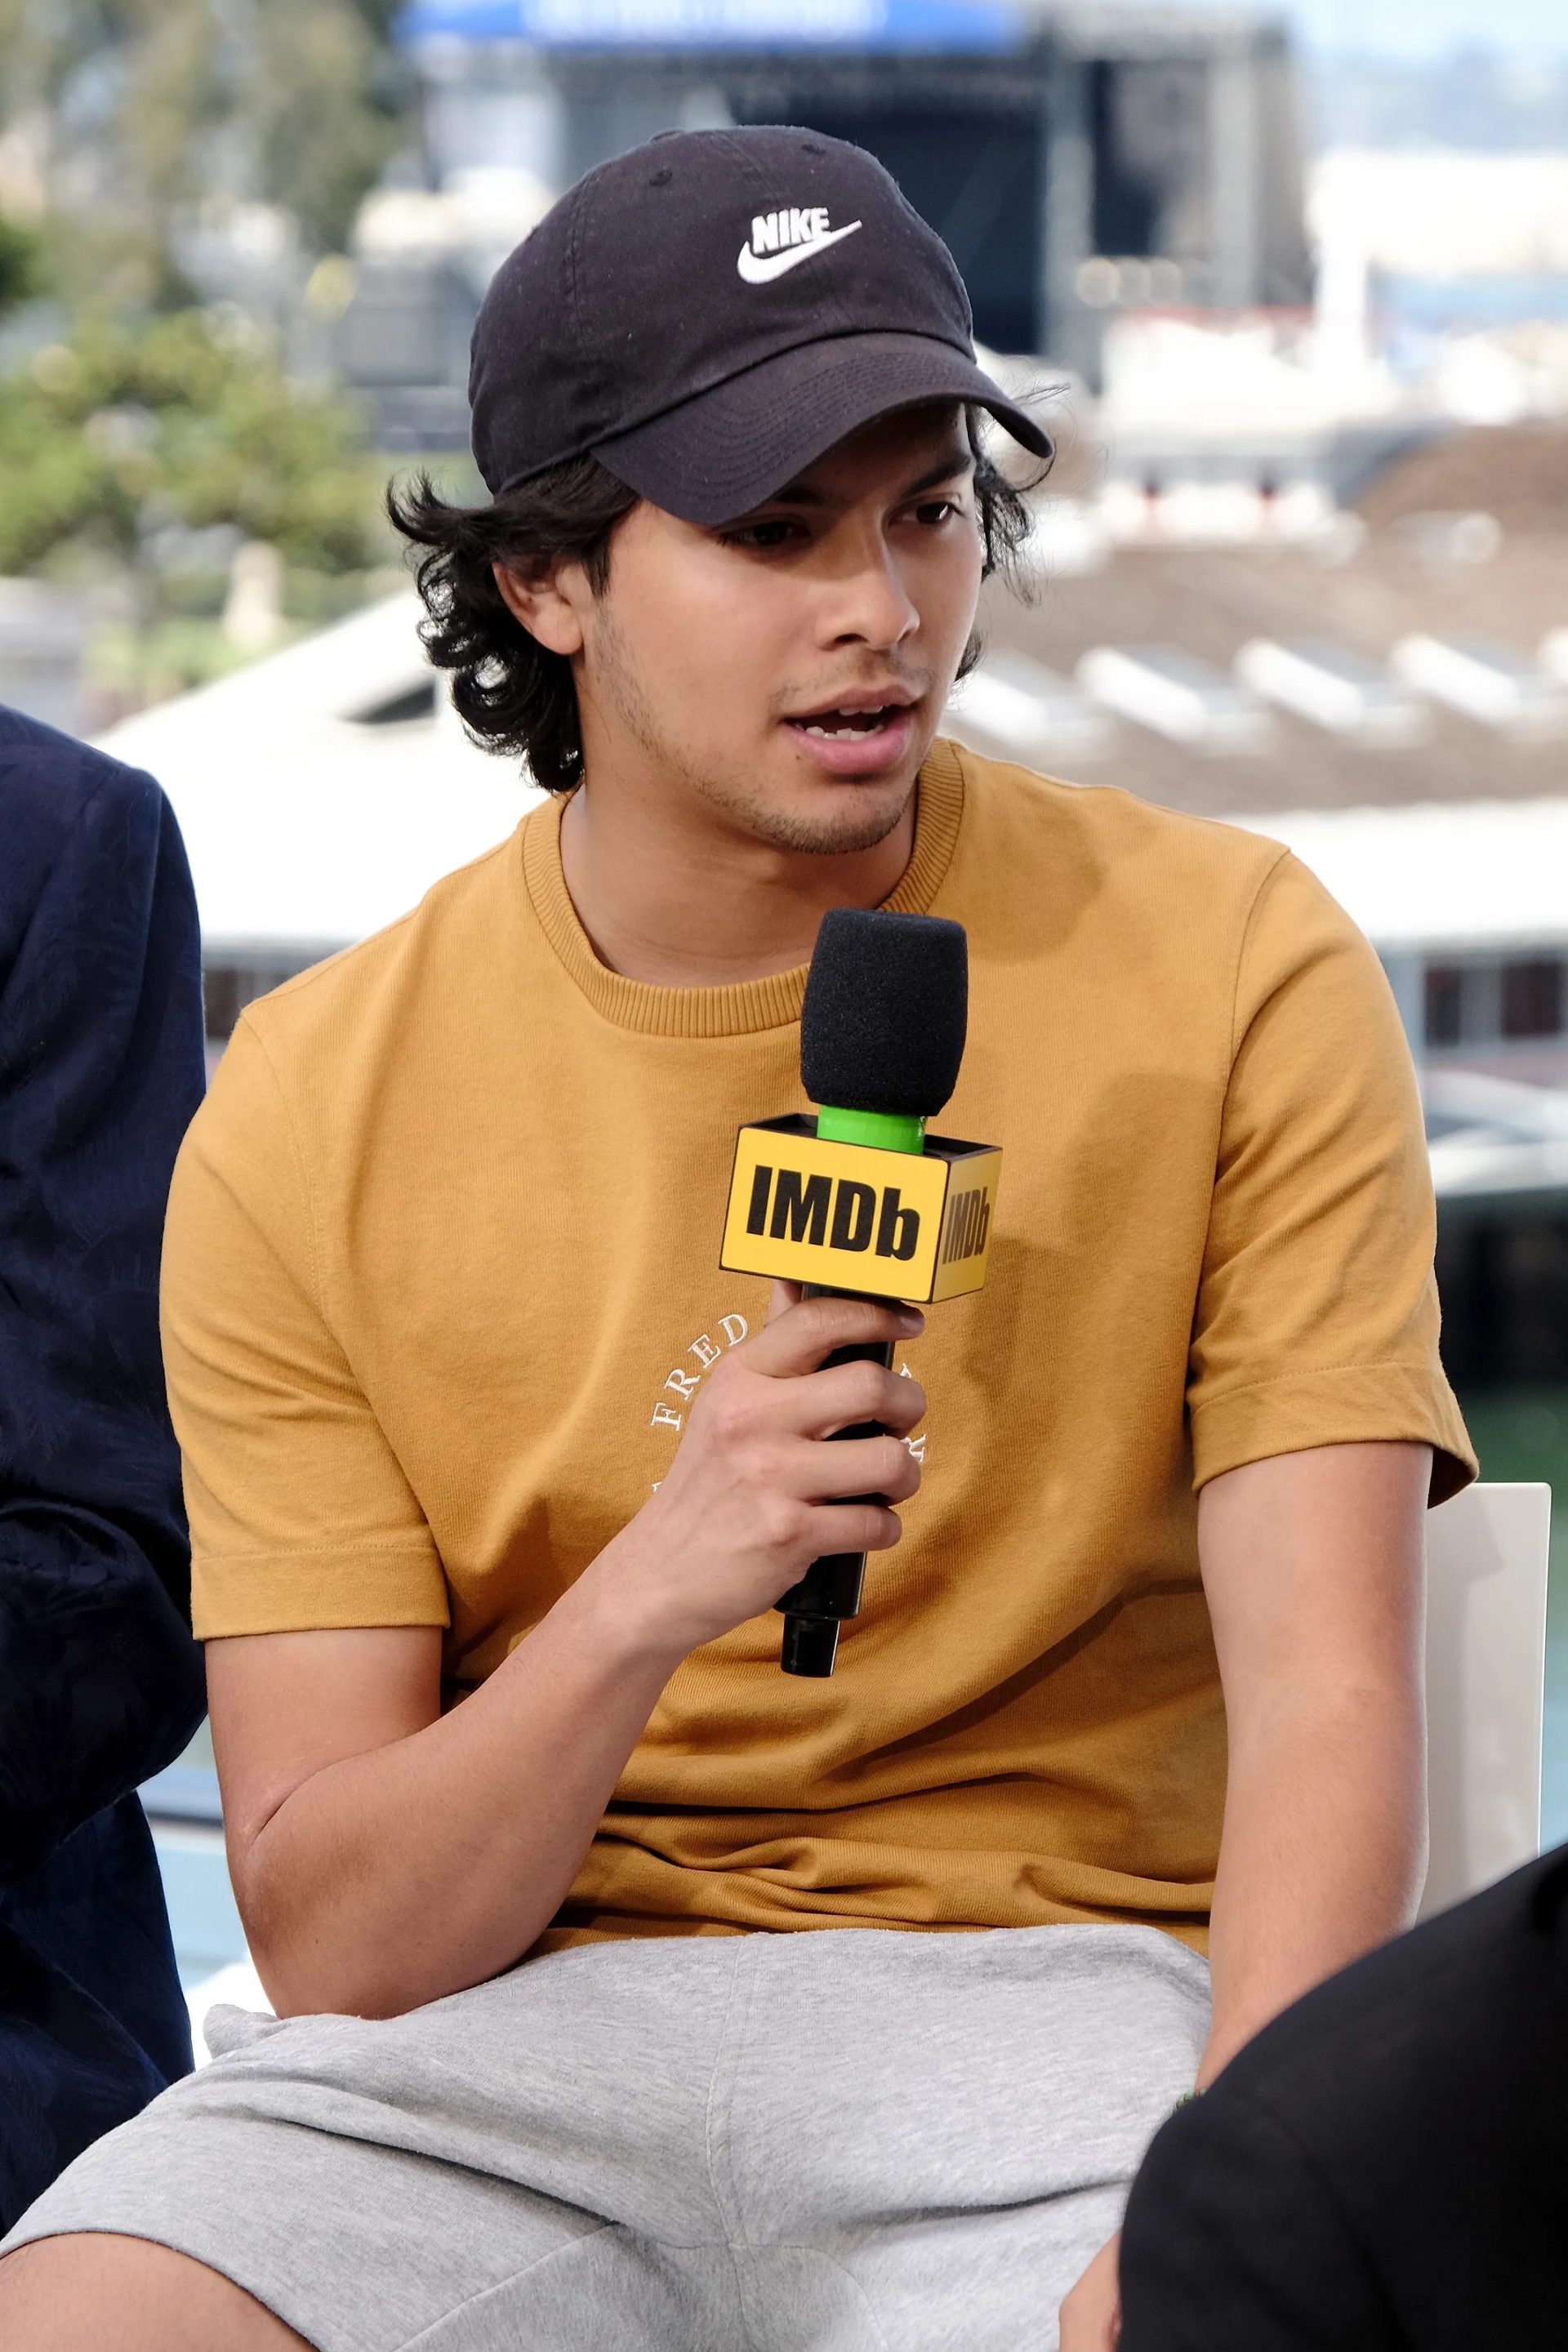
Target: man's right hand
[(385, 1852), (756, 1491)]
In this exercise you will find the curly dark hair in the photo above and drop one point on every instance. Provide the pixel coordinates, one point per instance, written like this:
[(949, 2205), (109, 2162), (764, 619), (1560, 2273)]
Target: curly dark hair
[(511, 693)]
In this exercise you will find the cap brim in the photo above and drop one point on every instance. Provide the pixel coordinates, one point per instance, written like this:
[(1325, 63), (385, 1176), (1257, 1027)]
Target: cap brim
[(725, 451)]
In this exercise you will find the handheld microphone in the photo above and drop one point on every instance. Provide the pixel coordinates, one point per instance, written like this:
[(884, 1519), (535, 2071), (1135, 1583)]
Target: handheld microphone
[(861, 1202)]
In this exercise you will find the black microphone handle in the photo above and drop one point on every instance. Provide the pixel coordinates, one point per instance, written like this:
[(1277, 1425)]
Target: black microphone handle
[(829, 1591)]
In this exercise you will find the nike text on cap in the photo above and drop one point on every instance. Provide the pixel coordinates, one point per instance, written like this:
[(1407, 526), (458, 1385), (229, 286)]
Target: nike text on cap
[(710, 312)]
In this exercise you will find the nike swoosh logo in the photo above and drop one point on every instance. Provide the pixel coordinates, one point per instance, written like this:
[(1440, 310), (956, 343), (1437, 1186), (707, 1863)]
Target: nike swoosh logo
[(757, 269)]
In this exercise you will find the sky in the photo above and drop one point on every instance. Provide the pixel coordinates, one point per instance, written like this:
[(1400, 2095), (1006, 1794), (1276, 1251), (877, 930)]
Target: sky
[(1429, 28)]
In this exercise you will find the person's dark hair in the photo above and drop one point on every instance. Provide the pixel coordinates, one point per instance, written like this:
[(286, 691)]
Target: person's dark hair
[(511, 693)]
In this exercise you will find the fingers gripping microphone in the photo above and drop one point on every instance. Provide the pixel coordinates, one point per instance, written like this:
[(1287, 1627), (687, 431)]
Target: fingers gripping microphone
[(860, 1201)]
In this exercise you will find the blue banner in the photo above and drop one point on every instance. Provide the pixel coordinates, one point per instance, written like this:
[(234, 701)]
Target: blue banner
[(983, 26)]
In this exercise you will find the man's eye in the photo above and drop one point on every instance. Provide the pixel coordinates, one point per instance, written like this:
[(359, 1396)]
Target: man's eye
[(761, 534), (932, 512)]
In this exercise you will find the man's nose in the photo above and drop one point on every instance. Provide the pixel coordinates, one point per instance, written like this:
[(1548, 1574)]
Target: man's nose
[(869, 603)]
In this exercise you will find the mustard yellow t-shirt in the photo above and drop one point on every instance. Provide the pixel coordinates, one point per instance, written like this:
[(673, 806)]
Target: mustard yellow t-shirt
[(442, 1280)]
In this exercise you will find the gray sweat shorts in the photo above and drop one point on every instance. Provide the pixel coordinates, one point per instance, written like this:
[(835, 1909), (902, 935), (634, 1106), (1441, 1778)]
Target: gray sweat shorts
[(847, 2140)]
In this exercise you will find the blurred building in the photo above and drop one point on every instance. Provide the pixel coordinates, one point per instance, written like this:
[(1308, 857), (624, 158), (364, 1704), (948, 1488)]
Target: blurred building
[(1080, 160), (1448, 269), (1385, 689)]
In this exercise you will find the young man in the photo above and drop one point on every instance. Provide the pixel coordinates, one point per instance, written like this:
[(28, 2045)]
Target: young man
[(471, 1415)]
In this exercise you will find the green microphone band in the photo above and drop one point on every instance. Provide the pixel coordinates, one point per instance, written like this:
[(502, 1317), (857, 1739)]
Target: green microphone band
[(884, 1130)]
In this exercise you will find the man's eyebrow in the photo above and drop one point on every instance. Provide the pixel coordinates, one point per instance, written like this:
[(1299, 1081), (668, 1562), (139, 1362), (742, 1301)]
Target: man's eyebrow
[(957, 460)]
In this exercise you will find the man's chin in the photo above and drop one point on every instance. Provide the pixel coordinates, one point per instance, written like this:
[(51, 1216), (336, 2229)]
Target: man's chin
[(819, 817), (832, 820)]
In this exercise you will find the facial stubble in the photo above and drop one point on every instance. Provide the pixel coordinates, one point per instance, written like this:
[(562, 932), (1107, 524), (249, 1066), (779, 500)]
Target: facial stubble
[(848, 820)]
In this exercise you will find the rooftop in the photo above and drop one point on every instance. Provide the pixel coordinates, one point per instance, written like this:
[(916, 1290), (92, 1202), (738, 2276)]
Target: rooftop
[(1211, 602)]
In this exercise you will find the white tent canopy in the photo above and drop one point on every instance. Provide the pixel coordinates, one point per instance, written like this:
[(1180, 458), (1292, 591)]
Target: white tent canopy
[(1451, 876), (310, 823)]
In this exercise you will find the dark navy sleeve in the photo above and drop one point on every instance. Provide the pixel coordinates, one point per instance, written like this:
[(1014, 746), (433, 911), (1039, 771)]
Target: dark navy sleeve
[(101, 1071)]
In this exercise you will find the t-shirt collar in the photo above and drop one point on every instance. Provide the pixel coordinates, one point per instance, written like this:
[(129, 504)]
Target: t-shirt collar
[(743, 1007)]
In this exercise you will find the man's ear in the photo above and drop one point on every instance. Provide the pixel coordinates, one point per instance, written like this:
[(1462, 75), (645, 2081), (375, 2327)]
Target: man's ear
[(546, 607)]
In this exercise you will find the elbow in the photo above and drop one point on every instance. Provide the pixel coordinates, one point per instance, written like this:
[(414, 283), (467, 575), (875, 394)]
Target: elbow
[(319, 1952), (307, 1972), (310, 1961)]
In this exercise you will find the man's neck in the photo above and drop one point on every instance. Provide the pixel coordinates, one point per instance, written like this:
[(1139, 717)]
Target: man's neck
[(685, 900)]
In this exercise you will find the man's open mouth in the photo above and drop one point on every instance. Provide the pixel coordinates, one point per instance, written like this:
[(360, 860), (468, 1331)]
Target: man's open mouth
[(847, 726)]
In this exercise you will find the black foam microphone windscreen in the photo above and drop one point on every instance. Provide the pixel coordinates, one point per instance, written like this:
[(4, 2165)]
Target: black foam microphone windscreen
[(886, 1012)]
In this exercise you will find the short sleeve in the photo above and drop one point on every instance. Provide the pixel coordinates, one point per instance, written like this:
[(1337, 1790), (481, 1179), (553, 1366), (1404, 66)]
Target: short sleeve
[(301, 1518), (1317, 1315)]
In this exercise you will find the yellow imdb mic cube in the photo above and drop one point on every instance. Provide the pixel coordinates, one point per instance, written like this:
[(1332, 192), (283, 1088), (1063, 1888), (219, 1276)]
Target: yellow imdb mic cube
[(868, 1218), (860, 1200)]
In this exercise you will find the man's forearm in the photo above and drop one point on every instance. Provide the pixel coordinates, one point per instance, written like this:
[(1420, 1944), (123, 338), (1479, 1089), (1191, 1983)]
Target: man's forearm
[(1313, 1564), (1323, 1853), (394, 1876)]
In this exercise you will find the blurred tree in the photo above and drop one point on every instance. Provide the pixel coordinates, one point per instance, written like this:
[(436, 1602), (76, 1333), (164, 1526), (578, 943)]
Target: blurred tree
[(329, 103), (119, 435), (152, 440), (154, 105), (22, 273), (121, 99)]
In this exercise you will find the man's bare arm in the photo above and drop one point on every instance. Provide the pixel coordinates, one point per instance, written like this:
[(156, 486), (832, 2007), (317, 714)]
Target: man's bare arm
[(1313, 1564), (384, 1855)]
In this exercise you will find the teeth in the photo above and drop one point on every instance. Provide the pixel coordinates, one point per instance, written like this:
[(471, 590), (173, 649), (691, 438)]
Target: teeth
[(873, 720)]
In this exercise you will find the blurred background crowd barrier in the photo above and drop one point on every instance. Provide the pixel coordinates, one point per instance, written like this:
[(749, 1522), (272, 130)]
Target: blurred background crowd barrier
[(1291, 285)]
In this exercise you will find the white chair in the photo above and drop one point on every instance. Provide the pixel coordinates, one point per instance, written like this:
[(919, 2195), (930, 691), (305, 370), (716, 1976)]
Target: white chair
[(1486, 1658)]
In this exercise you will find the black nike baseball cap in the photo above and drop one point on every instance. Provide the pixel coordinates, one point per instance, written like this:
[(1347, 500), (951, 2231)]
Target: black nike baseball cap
[(710, 312)]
